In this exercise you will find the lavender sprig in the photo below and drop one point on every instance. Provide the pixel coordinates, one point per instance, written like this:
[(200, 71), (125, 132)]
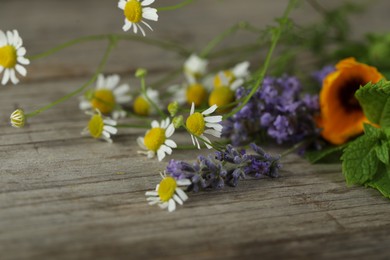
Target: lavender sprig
[(225, 168)]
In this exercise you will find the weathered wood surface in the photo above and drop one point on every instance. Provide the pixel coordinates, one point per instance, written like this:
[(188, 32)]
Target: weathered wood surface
[(63, 196)]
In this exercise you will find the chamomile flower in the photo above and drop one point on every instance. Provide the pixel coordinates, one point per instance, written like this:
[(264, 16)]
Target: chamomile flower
[(100, 127), (232, 78), (107, 97), (194, 68), (18, 118), (143, 107), (156, 139), (135, 12), (12, 57), (197, 123), (168, 193)]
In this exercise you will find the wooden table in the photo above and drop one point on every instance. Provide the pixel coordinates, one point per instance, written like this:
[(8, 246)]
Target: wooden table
[(63, 196)]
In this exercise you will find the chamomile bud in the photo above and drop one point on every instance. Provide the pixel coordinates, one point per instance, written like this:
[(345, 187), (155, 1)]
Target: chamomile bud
[(17, 118), (173, 107)]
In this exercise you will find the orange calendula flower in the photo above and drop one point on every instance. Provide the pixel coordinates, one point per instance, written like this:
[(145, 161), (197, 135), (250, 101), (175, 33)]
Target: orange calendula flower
[(341, 114)]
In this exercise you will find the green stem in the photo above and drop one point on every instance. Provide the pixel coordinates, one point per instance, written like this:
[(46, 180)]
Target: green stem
[(185, 147), (175, 7), (114, 38), (230, 31), (294, 148), (277, 32), (79, 90), (154, 105)]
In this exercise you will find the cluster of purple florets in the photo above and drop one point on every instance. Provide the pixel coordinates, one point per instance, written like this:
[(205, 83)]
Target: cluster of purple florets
[(276, 110), (225, 167)]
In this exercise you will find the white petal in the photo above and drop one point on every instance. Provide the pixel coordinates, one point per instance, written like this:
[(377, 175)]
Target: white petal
[(147, 25), (122, 89), (21, 70), (241, 69), (23, 61), (171, 205), (150, 154), (192, 108), (183, 182), (21, 52), (135, 28), (122, 4), (13, 77), (210, 110), (112, 81), (183, 196), (5, 77), (140, 142), (110, 129), (150, 14), (155, 124), (160, 155), (163, 205), (177, 199), (106, 135), (108, 121), (140, 28), (151, 193), (166, 149), (170, 143), (84, 105), (123, 99), (170, 130), (147, 2), (10, 38), (3, 38), (127, 25), (217, 127), (154, 202), (193, 140), (197, 143), (213, 119), (213, 132), (236, 84), (207, 142)]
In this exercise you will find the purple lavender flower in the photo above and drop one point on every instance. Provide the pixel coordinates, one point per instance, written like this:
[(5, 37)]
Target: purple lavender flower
[(225, 168), (320, 75), (276, 110)]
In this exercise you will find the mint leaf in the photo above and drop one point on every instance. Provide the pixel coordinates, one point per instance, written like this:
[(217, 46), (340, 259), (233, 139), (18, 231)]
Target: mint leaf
[(372, 131), (315, 156), (375, 102), (382, 152), (359, 160), (381, 181)]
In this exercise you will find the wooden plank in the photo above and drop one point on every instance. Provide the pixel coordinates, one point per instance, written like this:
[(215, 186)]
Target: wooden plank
[(63, 196)]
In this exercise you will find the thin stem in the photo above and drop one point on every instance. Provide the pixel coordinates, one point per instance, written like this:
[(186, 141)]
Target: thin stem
[(175, 7), (294, 148), (185, 147), (263, 71), (79, 90), (114, 38), (154, 105)]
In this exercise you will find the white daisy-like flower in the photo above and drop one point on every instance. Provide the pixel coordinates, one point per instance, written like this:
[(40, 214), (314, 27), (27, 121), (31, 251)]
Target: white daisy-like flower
[(194, 68), (168, 193), (156, 139), (135, 12), (197, 124), (100, 127), (232, 78), (107, 97), (12, 57), (143, 107)]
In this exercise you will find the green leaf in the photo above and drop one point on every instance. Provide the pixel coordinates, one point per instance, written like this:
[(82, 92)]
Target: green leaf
[(375, 101), (382, 152), (372, 131), (381, 181), (359, 160), (315, 156)]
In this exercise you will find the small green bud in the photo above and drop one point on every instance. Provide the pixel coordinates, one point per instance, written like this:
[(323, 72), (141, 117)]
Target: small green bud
[(140, 73), (178, 121), (17, 118), (173, 107)]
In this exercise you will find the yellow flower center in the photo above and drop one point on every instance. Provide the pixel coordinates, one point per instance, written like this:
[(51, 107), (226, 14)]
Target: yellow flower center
[(141, 106), (133, 11), (221, 96), (196, 93), (95, 126), (104, 100), (154, 138), (167, 188), (218, 82), (195, 123), (8, 56)]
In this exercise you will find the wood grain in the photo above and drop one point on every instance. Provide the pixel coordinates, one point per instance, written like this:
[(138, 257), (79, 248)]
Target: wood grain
[(63, 196)]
